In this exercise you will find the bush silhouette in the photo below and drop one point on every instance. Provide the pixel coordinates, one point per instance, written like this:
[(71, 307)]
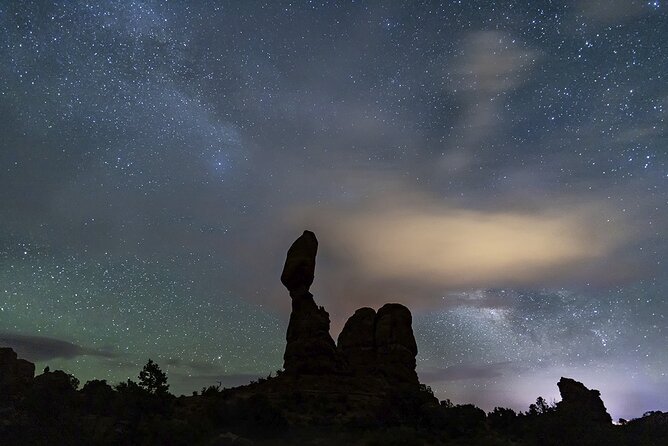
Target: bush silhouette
[(502, 419), (97, 396)]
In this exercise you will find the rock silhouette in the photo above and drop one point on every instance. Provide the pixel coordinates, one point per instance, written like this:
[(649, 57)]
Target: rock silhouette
[(357, 341), (381, 343), (378, 343), (581, 403), (299, 268), (16, 374), (395, 344), (310, 349)]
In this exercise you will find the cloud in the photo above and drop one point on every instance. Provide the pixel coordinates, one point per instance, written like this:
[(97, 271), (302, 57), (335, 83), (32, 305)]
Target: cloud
[(415, 249), (197, 366), (463, 248), (612, 11), (40, 348), (492, 62)]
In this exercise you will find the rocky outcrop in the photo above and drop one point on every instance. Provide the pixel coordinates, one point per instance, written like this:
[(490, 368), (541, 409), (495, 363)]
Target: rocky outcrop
[(16, 374), (57, 382), (310, 349), (395, 344), (356, 341), (581, 403), (381, 343)]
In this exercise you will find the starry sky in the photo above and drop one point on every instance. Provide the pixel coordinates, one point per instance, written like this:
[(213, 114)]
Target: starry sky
[(501, 168)]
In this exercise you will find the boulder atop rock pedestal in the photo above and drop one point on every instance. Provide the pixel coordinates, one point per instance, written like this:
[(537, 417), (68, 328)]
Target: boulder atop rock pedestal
[(381, 344), (310, 349), (299, 268), (369, 379), (582, 403), (15, 374)]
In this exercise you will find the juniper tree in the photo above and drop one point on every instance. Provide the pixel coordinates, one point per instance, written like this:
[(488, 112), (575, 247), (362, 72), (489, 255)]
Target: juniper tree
[(152, 379)]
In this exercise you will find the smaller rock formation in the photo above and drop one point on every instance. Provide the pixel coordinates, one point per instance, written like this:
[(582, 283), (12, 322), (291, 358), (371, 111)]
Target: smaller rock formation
[(356, 341), (310, 349), (395, 344), (57, 382), (16, 374), (381, 343), (580, 403)]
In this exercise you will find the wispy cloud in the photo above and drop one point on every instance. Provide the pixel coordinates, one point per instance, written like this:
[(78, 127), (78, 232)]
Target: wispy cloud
[(395, 247), (613, 11), (40, 348), (491, 64)]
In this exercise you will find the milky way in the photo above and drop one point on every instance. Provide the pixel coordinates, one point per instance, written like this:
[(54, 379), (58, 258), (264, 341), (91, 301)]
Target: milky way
[(499, 167)]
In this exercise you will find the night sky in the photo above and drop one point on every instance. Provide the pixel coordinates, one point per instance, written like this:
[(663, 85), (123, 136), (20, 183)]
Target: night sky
[(501, 168)]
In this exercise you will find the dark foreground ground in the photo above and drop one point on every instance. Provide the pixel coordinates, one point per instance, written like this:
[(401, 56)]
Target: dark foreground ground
[(302, 410)]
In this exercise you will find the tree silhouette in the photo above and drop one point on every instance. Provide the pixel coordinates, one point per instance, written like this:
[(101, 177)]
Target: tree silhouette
[(152, 379), (502, 418), (541, 407)]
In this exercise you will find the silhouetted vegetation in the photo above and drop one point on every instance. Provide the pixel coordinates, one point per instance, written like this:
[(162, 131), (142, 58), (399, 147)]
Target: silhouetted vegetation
[(52, 411), (152, 379)]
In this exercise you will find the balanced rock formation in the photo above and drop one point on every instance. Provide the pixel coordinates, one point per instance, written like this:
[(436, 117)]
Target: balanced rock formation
[(381, 343), (372, 344), (310, 349), (580, 403), (16, 374)]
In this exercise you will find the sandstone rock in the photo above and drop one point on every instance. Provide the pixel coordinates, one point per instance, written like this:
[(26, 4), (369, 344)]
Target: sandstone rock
[(299, 268), (371, 343), (15, 374), (310, 349), (356, 341), (381, 343), (395, 344), (581, 403)]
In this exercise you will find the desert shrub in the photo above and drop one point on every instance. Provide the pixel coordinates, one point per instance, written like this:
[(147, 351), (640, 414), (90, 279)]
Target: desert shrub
[(502, 419), (97, 397), (463, 419)]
